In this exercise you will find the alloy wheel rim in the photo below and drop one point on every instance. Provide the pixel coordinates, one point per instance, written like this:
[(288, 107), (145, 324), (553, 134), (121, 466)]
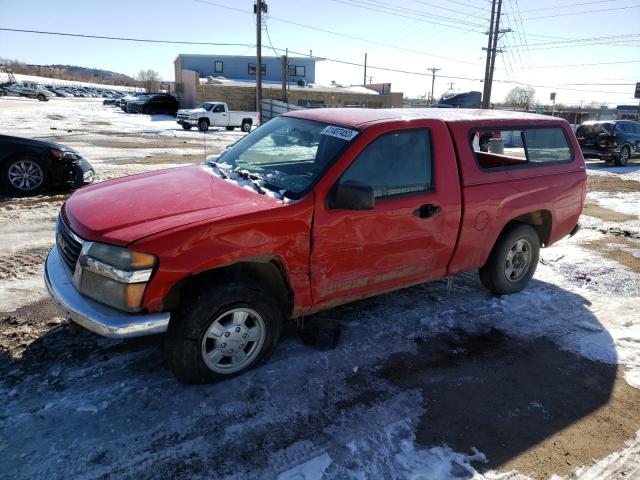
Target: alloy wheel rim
[(233, 340), (518, 260), (26, 175)]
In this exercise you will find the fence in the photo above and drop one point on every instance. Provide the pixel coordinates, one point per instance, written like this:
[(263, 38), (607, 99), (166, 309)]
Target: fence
[(273, 108)]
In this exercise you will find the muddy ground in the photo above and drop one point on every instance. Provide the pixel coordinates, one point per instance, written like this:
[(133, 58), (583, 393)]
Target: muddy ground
[(410, 383)]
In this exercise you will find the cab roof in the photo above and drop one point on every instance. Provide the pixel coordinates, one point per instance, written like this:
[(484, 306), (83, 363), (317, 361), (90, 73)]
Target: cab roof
[(358, 117)]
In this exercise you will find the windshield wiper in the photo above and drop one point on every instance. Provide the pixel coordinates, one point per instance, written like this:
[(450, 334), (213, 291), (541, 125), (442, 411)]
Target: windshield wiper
[(253, 178), (224, 173)]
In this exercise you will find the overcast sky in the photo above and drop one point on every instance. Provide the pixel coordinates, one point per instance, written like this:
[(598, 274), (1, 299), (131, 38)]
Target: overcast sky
[(549, 38)]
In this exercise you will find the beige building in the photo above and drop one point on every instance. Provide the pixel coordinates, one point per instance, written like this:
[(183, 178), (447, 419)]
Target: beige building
[(242, 95)]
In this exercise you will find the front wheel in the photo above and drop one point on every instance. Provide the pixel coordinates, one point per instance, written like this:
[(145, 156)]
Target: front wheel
[(222, 332), (23, 175), (623, 158), (41, 97), (512, 261), (203, 125)]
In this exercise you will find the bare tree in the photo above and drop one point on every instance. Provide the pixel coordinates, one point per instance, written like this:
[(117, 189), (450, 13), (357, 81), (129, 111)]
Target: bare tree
[(150, 80), (522, 98)]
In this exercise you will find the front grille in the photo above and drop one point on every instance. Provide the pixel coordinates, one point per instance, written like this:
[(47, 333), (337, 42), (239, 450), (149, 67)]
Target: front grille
[(68, 244), (183, 117)]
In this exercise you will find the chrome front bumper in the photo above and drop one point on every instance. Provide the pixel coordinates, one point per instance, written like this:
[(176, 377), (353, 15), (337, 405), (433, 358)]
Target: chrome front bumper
[(92, 315)]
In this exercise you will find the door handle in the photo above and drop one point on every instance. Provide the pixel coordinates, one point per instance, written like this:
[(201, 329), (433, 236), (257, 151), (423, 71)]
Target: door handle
[(426, 211)]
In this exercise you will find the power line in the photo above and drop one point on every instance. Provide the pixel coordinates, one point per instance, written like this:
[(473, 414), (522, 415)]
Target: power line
[(555, 7), (423, 74), (589, 39), (584, 12), (125, 39), (344, 35), (587, 64), (403, 12)]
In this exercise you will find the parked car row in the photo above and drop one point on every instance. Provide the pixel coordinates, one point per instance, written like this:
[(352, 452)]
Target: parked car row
[(45, 92), (149, 103), (612, 140), (83, 92)]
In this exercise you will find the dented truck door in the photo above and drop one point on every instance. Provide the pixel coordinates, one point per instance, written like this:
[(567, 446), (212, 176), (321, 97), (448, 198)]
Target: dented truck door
[(409, 235)]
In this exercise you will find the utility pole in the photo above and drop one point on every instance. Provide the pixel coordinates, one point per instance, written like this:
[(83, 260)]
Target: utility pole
[(285, 75), (485, 96), (451, 84), (492, 51), (365, 69), (259, 8), (433, 80)]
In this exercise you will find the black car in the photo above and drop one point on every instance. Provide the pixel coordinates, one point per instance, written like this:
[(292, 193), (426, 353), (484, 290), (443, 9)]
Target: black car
[(29, 166), (153, 103), (616, 140)]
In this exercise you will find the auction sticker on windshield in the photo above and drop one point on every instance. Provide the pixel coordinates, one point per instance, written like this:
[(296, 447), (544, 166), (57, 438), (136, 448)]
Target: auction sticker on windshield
[(339, 132)]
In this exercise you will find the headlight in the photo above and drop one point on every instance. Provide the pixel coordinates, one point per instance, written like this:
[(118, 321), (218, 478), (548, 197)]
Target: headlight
[(116, 276), (193, 116)]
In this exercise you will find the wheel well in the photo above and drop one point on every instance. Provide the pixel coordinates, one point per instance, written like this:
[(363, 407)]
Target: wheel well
[(540, 220), (247, 120), (205, 119), (267, 273)]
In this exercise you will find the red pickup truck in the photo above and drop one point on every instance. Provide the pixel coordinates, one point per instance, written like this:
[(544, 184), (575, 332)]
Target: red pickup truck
[(313, 209)]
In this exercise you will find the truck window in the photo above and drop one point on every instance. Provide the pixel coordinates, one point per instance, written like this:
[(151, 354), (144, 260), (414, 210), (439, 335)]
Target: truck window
[(288, 153), (394, 163), (546, 145), (504, 148), (218, 108)]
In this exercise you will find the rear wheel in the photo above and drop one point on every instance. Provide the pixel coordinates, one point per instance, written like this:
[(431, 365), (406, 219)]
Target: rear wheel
[(246, 126), (623, 158), (512, 261), (186, 126), (203, 125), (222, 332), (23, 175)]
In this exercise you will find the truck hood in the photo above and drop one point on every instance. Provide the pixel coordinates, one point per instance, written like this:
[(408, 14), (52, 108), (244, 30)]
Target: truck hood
[(127, 209), (191, 111)]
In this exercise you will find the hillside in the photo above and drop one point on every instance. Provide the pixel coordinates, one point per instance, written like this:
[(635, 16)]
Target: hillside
[(71, 72)]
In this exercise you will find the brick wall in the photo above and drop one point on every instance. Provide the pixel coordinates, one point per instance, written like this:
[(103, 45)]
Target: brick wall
[(244, 98)]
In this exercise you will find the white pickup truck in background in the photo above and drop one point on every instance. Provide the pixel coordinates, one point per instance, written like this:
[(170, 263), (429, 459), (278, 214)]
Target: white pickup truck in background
[(216, 114)]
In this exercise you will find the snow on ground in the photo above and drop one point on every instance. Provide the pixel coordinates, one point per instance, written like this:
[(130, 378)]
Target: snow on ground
[(84, 406)]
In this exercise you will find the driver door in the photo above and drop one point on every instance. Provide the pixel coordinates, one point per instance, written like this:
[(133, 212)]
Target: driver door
[(219, 116), (409, 235)]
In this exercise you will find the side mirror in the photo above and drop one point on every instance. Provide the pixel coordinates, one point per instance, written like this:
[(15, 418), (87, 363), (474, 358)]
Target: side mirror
[(352, 195)]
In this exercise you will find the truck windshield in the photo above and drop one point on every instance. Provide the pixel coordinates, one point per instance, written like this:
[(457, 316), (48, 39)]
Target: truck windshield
[(287, 154)]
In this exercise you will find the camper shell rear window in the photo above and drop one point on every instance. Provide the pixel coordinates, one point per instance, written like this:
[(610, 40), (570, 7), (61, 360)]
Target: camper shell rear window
[(520, 147)]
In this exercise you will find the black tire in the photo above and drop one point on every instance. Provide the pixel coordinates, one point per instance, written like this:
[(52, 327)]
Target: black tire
[(246, 126), (622, 159), (230, 128), (493, 274), (186, 126), (203, 124), (41, 98), (188, 326), (5, 180)]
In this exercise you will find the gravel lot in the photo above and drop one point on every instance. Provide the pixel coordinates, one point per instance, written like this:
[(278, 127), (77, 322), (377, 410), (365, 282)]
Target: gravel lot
[(436, 381)]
